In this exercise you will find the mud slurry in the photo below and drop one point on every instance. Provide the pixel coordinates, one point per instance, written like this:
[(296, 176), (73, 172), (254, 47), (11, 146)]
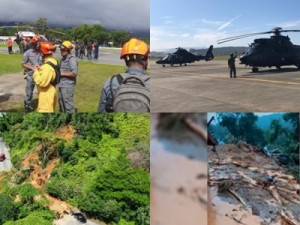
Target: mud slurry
[(178, 174), (241, 190)]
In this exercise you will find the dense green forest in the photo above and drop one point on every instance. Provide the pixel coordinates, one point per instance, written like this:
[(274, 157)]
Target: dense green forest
[(280, 133), (102, 166), (83, 32)]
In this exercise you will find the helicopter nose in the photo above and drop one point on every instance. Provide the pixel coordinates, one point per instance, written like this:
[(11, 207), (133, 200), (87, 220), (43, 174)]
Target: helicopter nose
[(244, 59)]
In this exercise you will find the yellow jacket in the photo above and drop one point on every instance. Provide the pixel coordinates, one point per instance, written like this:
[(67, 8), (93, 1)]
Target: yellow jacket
[(43, 77)]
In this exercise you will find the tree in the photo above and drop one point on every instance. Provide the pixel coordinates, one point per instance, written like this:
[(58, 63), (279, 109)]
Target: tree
[(120, 37), (242, 126), (41, 24), (8, 210), (38, 217)]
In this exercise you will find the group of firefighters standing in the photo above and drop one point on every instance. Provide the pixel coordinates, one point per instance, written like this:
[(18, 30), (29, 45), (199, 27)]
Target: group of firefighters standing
[(41, 69), (126, 92)]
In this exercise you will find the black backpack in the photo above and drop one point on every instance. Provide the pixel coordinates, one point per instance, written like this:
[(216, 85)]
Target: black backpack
[(57, 72), (132, 95)]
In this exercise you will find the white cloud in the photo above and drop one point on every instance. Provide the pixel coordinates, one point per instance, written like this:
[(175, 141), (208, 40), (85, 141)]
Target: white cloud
[(185, 35), (166, 38), (228, 23)]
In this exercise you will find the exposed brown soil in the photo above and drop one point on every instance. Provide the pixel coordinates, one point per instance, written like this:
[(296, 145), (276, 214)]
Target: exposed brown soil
[(39, 176), (241, 192), (66, 132)]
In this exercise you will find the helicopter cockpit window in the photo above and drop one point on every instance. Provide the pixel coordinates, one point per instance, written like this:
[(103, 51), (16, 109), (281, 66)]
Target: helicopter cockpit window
[(167, 56)]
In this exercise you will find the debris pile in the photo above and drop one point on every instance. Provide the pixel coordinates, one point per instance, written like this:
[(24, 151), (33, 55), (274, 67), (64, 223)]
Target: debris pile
[(249, 187)]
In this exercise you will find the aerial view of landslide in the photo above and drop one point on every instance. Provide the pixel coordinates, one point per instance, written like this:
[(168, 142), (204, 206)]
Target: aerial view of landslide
[(72, 169), (246, 186)]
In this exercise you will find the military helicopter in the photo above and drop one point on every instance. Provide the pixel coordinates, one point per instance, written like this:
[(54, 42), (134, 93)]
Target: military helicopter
[(182, 56), (28, 31), (276, 51)]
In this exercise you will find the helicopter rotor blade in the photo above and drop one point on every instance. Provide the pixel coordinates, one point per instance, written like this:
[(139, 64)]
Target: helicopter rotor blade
[(276, 31), (3, 27), (220, 41), (290, 31)]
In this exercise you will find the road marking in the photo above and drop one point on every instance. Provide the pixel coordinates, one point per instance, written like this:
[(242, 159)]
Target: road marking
[(239, 78), (273, 81)]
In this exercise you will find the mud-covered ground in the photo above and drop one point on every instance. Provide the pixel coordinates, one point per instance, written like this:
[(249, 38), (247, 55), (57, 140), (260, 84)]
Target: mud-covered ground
[(178, 172), (242, 192)]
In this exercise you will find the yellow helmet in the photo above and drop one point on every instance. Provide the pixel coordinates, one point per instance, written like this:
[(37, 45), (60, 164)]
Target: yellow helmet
[(66, 45), (134, 49)]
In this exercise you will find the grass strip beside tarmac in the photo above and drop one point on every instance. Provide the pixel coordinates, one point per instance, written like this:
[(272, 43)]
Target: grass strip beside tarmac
[(89, 84), (4, 44), (10, 63)]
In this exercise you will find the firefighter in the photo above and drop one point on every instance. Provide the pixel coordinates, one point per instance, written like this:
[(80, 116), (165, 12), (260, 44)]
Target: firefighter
[(31, 59), (44, 77), (66, 86), (136, 55)]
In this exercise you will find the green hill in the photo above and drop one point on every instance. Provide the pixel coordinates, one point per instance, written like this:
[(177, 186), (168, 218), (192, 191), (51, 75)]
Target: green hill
[(98, 163)]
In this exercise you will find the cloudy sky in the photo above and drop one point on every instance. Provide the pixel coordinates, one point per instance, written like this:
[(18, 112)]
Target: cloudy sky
[(200, 23), (129, 15)]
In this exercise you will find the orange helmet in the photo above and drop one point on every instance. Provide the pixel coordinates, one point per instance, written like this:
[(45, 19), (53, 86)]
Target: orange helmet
[(35, 40), (134, 49), (66, 45), (47, 48)]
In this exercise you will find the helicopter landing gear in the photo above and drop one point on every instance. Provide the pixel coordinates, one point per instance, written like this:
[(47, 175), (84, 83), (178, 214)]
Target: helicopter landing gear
[(254, 69)]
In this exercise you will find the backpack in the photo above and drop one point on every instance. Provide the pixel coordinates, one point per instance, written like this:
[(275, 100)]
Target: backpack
[(132, 95), (57, 72)]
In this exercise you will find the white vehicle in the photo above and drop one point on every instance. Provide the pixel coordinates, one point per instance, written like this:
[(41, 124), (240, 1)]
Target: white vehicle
[(26, 34), (30, 34)]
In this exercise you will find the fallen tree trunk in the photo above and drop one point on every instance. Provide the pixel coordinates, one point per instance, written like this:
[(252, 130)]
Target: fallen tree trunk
[(286, 215)]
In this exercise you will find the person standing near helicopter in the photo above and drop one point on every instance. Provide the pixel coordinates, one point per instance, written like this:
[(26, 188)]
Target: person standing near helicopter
[(231, 65)]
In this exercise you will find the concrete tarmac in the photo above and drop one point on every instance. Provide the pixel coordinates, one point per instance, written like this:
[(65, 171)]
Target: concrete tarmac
[(206, 87)]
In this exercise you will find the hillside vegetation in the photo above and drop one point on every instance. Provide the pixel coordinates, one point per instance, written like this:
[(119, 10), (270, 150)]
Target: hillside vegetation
[(98, 163)]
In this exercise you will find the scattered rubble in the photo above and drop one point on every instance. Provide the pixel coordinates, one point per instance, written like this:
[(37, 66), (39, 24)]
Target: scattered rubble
[(249, 187)]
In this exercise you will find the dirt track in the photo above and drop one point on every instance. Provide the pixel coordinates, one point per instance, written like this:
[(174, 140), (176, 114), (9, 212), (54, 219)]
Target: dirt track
[(241, 193), (12, 92)]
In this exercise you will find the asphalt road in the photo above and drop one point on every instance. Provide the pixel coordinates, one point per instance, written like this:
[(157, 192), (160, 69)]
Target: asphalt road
[(6, 164), (70, 220), (206, 87)]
